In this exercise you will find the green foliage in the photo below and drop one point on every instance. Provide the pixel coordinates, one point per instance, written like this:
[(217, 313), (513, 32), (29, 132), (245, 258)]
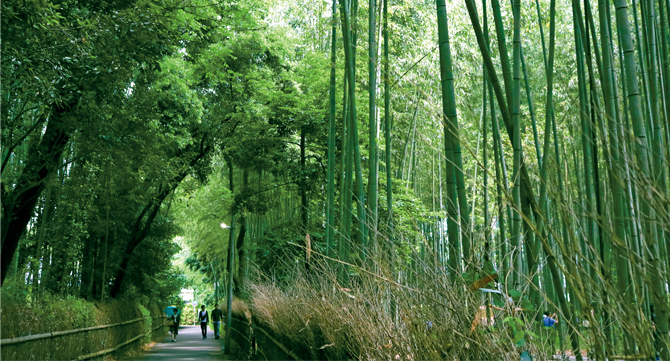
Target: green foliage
[(516, 326), (202, 214), (278, 254), (15, 290), (146, 127), (157, 101)]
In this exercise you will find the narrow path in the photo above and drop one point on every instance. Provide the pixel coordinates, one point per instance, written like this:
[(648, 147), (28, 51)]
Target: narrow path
[(189, 346)]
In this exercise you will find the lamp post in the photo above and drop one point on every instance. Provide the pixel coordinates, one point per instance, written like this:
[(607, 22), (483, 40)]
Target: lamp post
[(231, 258)]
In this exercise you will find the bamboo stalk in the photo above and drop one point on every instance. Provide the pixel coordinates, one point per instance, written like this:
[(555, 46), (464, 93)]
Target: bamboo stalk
[(330, 207)]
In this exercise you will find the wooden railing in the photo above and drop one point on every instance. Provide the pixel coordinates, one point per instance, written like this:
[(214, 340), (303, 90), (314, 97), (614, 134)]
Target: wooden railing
[(259, 342), (278, 344), (29, 338)]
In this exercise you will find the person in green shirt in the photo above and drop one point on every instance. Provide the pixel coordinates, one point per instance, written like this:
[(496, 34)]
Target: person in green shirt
[(217, 315)]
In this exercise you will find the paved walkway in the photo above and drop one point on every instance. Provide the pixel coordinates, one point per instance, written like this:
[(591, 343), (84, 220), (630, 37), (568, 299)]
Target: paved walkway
[(189, 346)]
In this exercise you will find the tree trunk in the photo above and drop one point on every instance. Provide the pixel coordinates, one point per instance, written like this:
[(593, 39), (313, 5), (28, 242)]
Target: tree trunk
[(40, 243), (143, 222), (18, 206), (240, 280), (241, 248)]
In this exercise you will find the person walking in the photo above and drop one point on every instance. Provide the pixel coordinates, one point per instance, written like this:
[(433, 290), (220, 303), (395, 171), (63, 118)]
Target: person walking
[(176, 320), (216, 319), (203, 317)]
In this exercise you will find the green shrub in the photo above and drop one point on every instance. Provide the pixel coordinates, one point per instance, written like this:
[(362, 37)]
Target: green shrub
[(187, 315), (148, 324), (55, 313)]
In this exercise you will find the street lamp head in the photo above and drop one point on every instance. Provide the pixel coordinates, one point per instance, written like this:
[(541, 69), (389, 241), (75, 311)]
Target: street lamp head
[(223, 225)]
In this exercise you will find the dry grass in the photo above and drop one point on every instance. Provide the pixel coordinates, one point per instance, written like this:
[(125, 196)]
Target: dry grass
[(376, 319), (239, 308)]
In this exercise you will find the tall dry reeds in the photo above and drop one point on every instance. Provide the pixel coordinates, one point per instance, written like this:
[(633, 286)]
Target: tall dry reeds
[(375, 318)]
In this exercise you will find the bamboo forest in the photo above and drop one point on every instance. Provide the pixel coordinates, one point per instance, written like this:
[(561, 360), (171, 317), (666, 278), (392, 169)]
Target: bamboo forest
[(362, 180)]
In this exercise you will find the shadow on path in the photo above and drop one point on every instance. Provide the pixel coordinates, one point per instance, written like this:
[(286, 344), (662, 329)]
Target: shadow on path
[(189, 346)]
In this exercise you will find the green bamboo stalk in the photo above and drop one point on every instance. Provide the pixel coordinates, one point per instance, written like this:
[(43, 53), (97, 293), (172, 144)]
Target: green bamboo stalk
[(387, 123), (582, 203), (541, 26), (464, 208), (502, 180), (586, 132), (531, 110), (411, 166), (346, 239), (449, 108), (363, 228), (373, 175), (523, 175), (665, 59), (345, 185), (631, 217), (411, 170), (502, 249), (349, 47), (621, 245), (532, 257), (343, 172), (550, 122), (516, 144), (635, 108), (449, 112), (602, 243), (525, 179), (614, 170), (642, 56), (330, 208), (664, 39), (549, 119), (657, 153), (487, 225), (552, 119), (502, 49)]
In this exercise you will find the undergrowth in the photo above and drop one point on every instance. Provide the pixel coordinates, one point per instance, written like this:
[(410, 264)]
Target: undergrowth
[(427, 317), (52, 313)]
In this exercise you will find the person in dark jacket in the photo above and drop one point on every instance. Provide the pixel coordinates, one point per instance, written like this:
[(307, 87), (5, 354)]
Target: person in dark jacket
[(217, 315), (176, 320), (203, 317)]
